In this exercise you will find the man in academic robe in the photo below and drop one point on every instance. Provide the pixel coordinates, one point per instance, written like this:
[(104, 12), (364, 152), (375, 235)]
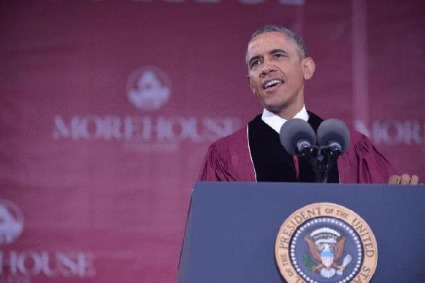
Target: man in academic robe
[(278, 66)]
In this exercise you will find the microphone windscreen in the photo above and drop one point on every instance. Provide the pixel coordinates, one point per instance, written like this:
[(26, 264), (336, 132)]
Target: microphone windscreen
[(294, 131), (333, 130)]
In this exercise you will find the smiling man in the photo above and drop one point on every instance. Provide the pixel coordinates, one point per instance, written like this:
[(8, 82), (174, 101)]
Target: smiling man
[(278, 66), (277, 69)]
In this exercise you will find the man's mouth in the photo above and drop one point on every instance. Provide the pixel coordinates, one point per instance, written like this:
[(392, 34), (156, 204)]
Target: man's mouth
[(272, 84)]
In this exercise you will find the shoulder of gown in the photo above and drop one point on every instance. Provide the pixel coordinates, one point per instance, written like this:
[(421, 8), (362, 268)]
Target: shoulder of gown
[(228, 159), (363, 163)]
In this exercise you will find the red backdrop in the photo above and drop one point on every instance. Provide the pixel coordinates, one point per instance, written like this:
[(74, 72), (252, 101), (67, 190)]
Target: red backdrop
[(107, 108)]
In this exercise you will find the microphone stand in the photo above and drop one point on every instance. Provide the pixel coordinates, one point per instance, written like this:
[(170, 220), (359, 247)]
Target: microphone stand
[(322, 159)]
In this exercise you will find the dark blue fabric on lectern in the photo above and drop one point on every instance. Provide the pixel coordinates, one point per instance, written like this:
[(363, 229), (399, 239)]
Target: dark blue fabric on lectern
[(232, 228)]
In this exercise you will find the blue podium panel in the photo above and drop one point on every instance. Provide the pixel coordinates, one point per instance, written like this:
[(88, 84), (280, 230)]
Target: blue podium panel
[(232, 228)]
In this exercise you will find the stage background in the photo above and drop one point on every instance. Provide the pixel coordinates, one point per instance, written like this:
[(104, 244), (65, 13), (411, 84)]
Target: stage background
[(107, 109)]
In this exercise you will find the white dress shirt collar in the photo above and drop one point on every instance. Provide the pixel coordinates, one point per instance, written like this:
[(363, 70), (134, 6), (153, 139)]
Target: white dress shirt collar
[(276, 122)]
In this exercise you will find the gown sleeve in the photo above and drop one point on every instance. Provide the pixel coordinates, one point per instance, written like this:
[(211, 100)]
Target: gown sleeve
[(228, 159), (363, 163), (216, 164)]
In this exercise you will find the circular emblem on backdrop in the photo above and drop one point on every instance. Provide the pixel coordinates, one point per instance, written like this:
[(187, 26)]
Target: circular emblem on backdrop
[(325, 242), (148, 88), (11, 222)]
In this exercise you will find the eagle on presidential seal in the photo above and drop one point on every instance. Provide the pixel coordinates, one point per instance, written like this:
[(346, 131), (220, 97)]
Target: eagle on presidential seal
[(326, 246)]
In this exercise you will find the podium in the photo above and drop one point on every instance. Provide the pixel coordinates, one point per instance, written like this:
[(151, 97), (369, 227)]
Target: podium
[(232, 228)]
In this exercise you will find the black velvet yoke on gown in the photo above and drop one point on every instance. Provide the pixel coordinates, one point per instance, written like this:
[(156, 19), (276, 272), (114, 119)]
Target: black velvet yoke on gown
[(272, 162)]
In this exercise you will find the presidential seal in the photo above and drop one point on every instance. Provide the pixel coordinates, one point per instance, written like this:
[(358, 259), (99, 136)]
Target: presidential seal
[(326, 242)]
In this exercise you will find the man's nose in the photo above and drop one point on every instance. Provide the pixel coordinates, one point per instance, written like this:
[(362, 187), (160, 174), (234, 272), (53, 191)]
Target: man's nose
[(267, 68)]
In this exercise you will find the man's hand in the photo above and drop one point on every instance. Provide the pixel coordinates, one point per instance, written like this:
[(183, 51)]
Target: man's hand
[(404, 179)]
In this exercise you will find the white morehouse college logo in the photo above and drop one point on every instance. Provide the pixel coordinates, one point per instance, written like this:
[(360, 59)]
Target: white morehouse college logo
[(148, 89), (21, 266), (11, 222), (325, 242)]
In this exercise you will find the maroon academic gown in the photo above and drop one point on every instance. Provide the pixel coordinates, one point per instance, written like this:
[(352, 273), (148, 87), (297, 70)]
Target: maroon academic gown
[(229, 159)]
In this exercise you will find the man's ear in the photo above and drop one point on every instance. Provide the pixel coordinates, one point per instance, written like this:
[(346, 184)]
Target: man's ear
[(248, 79), (308, 68)]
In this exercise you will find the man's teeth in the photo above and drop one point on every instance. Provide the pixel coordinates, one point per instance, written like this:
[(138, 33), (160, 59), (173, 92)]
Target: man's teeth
[(272, 83)]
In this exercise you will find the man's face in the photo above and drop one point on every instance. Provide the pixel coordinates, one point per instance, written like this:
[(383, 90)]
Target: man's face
[(276, 73)]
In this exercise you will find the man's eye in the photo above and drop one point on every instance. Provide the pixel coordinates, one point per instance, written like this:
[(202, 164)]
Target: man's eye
[(278, 55), (254, 64)]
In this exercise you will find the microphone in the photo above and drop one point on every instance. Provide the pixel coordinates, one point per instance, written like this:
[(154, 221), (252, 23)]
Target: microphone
[(297, 137), (334, 136)]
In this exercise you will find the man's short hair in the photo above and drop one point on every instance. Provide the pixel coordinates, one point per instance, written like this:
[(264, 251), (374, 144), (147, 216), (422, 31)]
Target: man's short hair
[(292, 35)]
